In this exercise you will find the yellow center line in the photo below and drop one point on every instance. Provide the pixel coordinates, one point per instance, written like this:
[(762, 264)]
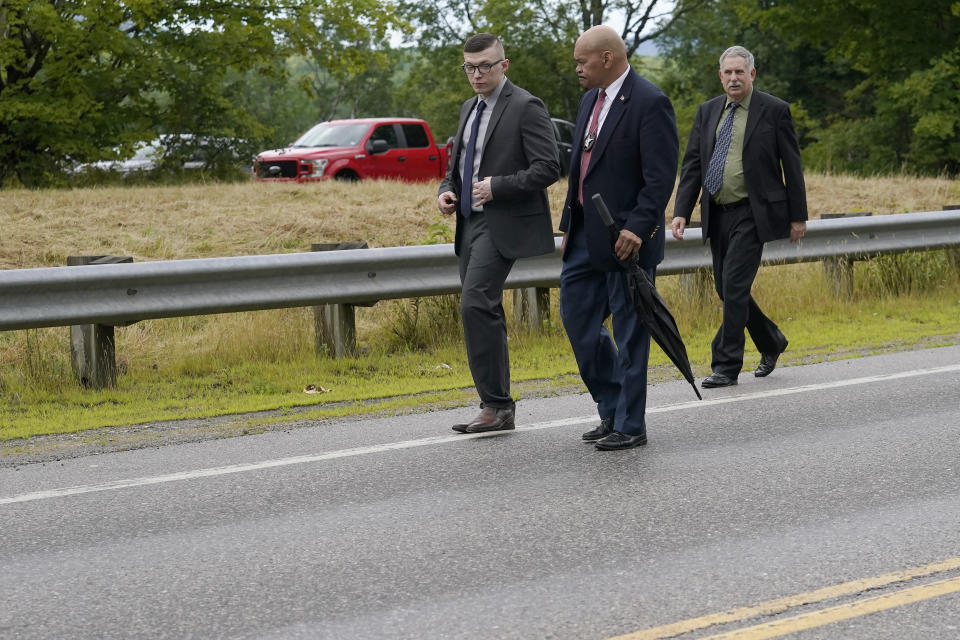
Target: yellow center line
[(782, 604), (842, 612)]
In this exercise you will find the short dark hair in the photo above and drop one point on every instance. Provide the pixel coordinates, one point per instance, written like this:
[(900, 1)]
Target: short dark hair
[(481, 42)]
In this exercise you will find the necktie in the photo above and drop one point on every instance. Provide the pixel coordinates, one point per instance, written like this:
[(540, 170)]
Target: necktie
[(591, 140), (466, 193), (715, 170)]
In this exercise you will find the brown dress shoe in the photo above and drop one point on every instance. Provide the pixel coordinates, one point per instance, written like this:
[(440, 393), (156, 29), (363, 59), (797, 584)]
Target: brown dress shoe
[(490, 419)]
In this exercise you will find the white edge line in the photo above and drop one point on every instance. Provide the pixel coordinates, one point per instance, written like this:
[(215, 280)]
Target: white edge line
[(434, 440)]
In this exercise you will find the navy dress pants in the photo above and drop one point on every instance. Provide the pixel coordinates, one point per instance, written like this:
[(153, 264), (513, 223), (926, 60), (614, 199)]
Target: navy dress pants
[(615, 373)]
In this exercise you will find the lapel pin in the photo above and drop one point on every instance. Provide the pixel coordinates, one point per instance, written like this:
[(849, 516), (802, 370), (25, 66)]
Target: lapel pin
[(622, 98)]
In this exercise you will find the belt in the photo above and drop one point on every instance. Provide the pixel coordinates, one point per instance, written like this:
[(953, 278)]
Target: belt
[(730, 206)]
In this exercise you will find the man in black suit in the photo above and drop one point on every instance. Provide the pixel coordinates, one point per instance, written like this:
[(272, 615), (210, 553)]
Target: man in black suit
[(626, 149), (503, 159), (744, 159)]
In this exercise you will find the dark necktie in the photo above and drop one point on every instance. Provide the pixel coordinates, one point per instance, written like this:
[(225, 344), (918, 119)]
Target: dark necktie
[(466, 192), (719, 158), (590, 140)]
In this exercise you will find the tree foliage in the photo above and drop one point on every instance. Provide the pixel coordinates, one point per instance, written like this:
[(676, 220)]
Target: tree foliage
[(78, 77), (875, 85), (538, 36)]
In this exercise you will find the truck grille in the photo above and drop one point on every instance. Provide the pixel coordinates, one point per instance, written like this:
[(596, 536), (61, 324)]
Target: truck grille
[(288, 169)]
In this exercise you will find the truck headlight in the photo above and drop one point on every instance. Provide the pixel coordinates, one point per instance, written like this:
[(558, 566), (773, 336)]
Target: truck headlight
[(318, 168)]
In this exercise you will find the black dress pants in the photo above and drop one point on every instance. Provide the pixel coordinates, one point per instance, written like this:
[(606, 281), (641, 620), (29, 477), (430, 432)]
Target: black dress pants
[(737, 251)]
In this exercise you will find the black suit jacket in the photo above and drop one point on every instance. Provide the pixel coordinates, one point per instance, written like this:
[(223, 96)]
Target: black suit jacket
[(520, 153), (771, 166), (633, 166)]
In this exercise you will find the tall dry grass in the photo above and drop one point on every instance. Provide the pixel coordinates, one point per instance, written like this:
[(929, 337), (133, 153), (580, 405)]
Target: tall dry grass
[(42, 228), (185, 364)]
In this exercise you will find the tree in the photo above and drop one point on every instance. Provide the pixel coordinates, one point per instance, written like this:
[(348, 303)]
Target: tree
[(538, 35), (873, 84), (905, 113), (78, 78)]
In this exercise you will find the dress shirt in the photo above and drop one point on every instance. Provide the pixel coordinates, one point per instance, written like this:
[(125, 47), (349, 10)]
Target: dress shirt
[(491, 101), (613, 92), (734, 186)]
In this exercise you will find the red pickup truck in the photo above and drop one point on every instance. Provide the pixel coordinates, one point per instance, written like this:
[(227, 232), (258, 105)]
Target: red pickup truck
[(390, 148)]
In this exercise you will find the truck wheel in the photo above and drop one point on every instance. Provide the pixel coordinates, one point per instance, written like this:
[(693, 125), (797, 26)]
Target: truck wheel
[(346, 176)]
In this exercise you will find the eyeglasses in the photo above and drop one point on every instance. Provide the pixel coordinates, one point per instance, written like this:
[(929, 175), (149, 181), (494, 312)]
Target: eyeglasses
[(470, 69)]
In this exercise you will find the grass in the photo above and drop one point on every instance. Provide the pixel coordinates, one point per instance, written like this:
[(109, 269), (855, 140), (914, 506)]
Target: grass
[(412, 350)]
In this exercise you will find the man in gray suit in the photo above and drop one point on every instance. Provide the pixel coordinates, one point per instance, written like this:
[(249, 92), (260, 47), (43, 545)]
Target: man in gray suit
[(503, 159)]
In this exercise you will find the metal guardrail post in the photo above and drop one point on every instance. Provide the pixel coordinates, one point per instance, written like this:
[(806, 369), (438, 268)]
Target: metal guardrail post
[(93, 346), (839, 269), (954, 253), (335, 324), (531, 306)]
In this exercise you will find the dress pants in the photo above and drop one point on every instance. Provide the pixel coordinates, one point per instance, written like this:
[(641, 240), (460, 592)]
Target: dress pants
[(614, 374), (482, 272), (737, 251)]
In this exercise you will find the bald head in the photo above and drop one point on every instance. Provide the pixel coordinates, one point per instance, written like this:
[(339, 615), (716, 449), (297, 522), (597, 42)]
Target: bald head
[(603, 38), (601, 57)]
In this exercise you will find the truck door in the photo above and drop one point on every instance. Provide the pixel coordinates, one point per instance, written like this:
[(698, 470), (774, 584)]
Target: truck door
[(423, 159), (387, 165)]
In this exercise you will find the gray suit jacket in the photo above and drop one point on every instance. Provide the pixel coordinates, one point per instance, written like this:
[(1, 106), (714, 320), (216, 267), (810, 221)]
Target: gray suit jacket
[(520, 153), (771, 166)]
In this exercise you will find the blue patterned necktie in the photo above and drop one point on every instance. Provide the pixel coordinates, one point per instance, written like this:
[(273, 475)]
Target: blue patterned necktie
[(715, 170), (466, 192)]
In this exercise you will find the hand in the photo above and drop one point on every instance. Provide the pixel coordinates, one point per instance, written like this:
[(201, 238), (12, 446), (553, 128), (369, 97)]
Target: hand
[(797, 230), (628, 244), (447, 202), (677, 226), (482, 192), (563, 243)]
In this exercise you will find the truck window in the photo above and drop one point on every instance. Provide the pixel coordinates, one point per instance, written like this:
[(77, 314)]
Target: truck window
[(388, 133), (416, 135)]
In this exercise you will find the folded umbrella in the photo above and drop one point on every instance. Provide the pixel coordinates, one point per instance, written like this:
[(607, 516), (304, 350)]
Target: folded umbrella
[(650, 307)]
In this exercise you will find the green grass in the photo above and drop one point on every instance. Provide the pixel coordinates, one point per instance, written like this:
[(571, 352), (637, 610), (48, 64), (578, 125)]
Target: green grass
[(235, 364)]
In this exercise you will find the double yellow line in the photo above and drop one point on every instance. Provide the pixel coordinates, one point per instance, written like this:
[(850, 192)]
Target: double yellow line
[(819, 617)]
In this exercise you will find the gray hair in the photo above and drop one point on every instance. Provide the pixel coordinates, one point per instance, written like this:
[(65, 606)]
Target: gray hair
[(737, 50)]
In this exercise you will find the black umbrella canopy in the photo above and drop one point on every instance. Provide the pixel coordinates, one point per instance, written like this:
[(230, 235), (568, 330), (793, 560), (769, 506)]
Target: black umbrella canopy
[(650, 307)]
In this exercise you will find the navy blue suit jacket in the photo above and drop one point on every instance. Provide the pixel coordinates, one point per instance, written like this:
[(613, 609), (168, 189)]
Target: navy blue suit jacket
[(633, 166)]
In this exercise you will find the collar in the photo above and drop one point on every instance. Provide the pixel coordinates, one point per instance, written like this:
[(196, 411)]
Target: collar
[(614, 89), (744, 104), (492, 98)]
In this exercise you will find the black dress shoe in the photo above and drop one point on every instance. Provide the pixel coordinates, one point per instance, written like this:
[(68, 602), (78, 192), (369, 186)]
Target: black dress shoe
[(604, 429), (717, 380), (489, 419), (768, 362), (618, 440)]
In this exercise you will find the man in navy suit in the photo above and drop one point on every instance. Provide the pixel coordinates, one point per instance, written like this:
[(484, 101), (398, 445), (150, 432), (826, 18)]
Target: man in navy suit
[(503, 159), (626, 149), (743, 163)]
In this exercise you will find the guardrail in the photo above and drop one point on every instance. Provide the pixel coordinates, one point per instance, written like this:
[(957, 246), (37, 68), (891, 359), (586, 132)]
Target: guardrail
[(120, 294)]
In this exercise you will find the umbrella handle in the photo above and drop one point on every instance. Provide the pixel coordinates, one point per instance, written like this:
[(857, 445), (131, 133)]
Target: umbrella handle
[(611, 226), (604, 212)]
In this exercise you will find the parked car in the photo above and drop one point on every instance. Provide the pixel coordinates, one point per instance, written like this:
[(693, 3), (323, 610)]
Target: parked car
[(397, 148), (183, 151), (563, 129)]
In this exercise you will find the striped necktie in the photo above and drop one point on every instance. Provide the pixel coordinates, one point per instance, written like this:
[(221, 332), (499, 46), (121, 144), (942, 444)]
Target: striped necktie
[(715, 171)]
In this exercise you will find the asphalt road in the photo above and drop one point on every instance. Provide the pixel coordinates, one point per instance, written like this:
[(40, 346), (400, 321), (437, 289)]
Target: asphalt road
[(833, 475)]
